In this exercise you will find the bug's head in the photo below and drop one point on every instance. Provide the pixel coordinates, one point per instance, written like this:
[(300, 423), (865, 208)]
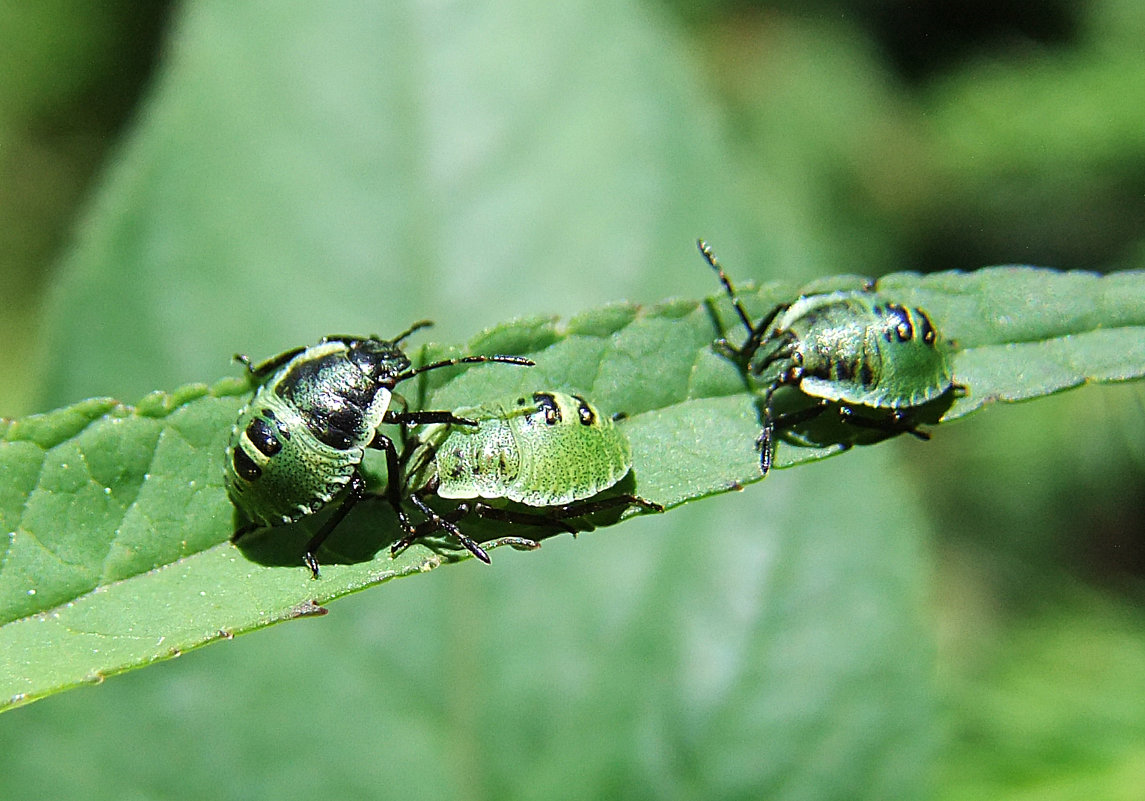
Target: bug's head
[(379, 359)]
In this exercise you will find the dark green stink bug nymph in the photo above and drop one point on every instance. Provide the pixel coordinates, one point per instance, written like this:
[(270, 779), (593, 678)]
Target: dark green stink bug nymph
[(299, 442), (857, 349), (550, 451)]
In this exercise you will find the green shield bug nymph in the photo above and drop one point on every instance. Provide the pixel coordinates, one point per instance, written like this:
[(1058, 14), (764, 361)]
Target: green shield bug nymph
[(549, 451), (858, 349), (299, 442)]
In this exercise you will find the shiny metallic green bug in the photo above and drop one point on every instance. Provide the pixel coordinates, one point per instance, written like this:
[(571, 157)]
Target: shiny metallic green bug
[(551, 451), (299, 442), (856, 349)]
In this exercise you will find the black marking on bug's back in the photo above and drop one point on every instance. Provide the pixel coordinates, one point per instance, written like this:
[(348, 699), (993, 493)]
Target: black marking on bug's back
[(587, 418), (457, 469), (904, 329), (245, 466), (303, 374), (818, 369), (333, 395), (866, 374), (262, 437), (842, 370), (929, 335), (317, 382), (337, 427), (548, 404)]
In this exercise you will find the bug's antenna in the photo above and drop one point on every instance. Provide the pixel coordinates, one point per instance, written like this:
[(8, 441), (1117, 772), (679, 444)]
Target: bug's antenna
[(518, 360), (710, 257)]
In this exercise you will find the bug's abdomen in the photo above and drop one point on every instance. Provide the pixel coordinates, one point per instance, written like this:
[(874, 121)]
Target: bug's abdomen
[(840, 358), (545, 450), (862, 348), (478, 462), (568, 452), (555, 482), (277, 470)]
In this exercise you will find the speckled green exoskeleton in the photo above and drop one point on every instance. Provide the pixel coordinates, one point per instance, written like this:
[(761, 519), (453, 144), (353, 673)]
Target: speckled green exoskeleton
[(550, 451), (300, 441), (857, 350)]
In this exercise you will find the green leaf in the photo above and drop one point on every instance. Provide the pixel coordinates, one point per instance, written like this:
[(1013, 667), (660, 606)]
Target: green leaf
[(306, 169), (1021, 333), (118, 523)]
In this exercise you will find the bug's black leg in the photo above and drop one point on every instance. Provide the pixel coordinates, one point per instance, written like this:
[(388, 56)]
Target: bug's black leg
[(761, 332), (244, 530), (429, 526), (437, 522), (420, 324), (767, 433), (557, 515), (270, 365), (791, 419), (900, 422), (423, 418), (773, 423), (588, 507), (784, 421), (518, 518), (353, 339), (397, 400), (357, 491), (783, 351), (406, 418), (393, 479), (766, 441)]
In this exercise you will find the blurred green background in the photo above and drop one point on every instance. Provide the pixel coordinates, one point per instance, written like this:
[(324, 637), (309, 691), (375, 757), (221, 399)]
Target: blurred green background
[(956, 619)]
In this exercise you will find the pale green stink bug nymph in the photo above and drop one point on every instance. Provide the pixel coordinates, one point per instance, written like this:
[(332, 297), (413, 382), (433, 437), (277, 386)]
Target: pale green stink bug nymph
[(857, 350), (550, 451), (299, 442)]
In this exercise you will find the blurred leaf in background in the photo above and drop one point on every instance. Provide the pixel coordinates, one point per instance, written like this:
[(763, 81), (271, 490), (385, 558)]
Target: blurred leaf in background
[(298, 171), (72, 74)]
